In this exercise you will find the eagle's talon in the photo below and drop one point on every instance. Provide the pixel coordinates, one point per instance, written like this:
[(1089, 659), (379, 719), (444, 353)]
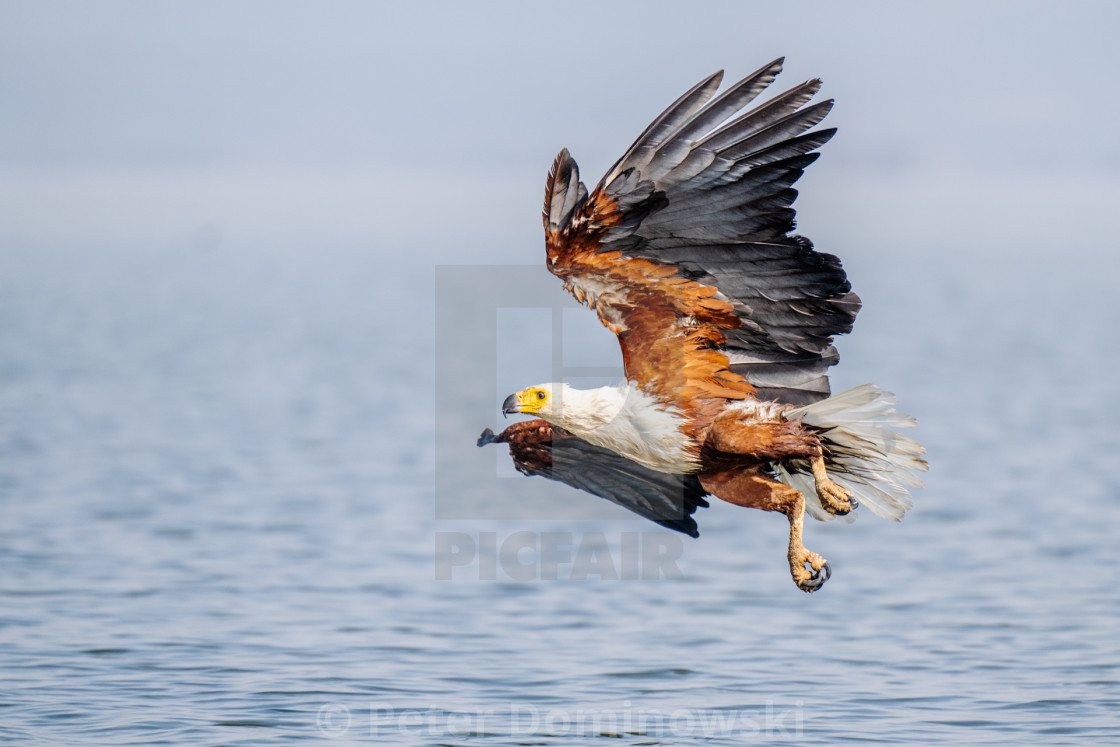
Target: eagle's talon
[(836, 500), (810, 572), (816, 581)]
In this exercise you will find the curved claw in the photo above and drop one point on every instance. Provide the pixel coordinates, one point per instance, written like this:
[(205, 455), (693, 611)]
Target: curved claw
[(817, 580), (836, 500)]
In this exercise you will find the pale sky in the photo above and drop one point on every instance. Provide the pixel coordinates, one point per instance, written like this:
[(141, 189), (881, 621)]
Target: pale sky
[(424, 130)]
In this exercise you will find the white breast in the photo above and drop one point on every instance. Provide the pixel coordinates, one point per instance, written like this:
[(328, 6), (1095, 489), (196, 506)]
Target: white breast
[(642, 429)]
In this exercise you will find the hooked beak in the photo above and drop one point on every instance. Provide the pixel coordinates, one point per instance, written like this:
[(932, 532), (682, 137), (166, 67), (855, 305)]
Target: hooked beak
[(511, 405)]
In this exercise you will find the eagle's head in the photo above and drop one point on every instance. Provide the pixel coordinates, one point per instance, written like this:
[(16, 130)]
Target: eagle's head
[(575, 410), (540, 400)]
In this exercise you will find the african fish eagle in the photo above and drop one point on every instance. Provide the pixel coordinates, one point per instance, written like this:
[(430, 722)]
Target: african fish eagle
[(725, 319)]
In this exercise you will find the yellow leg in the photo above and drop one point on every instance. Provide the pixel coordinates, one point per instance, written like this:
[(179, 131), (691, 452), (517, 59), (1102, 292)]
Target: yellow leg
[(746, 487), (799, 555), (835, 499)]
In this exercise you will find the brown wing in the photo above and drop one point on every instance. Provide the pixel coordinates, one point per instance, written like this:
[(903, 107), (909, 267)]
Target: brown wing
[(540, 449), (684, 250)]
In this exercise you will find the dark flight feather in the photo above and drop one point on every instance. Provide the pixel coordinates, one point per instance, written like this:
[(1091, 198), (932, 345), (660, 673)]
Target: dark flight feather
[(709, 191), (540, 449)]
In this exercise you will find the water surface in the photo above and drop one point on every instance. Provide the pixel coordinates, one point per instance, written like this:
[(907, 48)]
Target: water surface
[(217, 526)]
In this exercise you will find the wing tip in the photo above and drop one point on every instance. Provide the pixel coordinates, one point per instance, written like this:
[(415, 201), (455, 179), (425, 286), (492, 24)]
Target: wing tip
[(686, 525), (563, 191), (771, 69)]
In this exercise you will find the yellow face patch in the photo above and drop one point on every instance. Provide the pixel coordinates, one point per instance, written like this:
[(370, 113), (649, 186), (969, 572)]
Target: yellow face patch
[(532, 399)]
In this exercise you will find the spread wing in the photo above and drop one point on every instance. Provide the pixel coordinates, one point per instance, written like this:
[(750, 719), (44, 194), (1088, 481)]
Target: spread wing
[(684, 249), (538, 448)]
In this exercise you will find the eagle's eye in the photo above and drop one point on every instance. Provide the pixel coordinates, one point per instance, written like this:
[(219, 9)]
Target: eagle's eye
[(541, 395)]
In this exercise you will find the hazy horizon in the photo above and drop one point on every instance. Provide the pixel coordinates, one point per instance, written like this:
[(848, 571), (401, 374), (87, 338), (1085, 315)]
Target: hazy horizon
[(423, 135)]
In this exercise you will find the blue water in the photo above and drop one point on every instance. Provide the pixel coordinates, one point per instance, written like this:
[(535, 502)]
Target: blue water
[(217, 526)]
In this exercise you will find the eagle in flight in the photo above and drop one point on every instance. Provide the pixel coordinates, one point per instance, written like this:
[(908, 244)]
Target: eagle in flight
[(725, 318)]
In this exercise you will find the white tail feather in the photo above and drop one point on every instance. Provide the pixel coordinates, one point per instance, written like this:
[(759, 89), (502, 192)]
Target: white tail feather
[(863, 452)]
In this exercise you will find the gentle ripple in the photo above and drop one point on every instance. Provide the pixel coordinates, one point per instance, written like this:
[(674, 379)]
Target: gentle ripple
[(216, 489)]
